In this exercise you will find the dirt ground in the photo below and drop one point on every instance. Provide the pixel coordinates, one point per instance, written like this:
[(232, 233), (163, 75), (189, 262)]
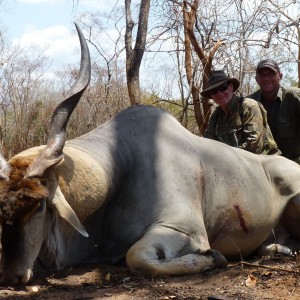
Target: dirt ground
[(268, 278)]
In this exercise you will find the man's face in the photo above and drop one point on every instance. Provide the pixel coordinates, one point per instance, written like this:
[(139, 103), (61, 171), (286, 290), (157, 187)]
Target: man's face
[(268, 80)]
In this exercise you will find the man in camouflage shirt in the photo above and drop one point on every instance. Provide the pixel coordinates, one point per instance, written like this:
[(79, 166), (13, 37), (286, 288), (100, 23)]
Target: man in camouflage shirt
[(282, 106), (238, 122)]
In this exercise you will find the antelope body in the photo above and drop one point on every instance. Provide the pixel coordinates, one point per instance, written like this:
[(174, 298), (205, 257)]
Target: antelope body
[(142, 189)]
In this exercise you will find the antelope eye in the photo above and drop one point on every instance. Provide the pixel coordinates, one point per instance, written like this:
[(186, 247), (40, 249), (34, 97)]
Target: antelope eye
[(41, 206)]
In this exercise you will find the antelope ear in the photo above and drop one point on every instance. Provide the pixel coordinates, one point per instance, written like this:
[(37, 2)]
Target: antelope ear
[(66, 212), (42, 163)]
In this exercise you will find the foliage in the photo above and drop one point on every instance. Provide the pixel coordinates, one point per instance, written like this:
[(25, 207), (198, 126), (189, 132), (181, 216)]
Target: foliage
[(245, 30)]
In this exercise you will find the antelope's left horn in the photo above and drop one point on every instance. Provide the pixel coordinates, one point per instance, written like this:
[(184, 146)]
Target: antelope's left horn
[(53, 153)]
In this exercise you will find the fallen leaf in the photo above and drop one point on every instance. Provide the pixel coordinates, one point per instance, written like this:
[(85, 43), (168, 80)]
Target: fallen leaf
[(251, 280), (34, 289)]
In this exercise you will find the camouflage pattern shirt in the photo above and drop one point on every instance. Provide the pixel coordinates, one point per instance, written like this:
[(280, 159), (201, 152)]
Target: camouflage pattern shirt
[(245, 126), (284, 120)]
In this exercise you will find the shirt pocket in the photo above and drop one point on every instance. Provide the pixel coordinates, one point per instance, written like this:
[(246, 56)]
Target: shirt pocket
[(284, 129)]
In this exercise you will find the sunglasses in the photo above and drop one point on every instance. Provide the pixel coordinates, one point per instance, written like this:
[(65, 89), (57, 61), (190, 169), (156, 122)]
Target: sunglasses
[(221, 88)]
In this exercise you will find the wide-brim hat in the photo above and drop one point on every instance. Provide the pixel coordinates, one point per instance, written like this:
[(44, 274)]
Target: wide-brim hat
[(217, 78)]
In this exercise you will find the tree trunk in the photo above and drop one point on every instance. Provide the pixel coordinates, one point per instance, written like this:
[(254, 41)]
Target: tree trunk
[(134, 55), (202, 107)]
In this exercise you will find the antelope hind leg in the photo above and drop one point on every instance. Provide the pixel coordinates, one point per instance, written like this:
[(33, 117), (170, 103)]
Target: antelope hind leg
[(165, 251)]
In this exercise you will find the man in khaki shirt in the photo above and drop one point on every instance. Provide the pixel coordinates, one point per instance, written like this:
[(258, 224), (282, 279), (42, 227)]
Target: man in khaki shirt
[(282, 106)]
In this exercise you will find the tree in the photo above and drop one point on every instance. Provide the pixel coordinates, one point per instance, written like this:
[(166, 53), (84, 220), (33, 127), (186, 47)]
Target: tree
[(135, 54), (197, 36), (109, 93), (232, 35), (202, 107), (283, 29), (22, 102)]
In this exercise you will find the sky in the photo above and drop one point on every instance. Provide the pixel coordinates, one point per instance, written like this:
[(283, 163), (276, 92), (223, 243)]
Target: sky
[(47, 24)]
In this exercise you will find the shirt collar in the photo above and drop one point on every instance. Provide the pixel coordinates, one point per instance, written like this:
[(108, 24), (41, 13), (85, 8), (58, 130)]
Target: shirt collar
[(231, 107), (279, 95), (233, 103)]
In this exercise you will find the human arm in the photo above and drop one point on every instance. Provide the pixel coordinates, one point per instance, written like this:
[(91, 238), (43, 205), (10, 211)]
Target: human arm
[(287, 126), (254, 127)]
